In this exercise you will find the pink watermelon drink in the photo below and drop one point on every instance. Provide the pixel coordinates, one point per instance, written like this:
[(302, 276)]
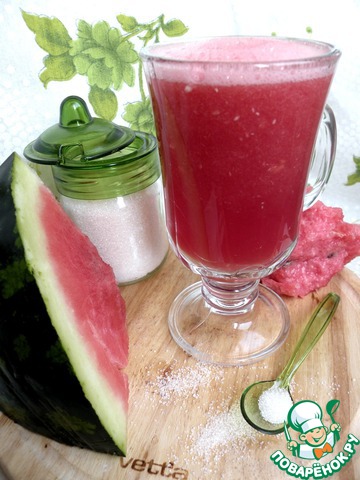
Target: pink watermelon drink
[(236, 122)]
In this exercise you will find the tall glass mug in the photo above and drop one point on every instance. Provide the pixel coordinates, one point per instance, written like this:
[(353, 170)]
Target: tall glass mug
[(237, 119)]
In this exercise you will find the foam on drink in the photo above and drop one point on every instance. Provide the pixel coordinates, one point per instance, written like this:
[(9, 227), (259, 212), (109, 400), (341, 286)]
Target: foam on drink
[(213, 55)]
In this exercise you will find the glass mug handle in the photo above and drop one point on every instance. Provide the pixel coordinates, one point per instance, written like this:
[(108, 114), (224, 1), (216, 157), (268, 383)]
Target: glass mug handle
[(323, 158)]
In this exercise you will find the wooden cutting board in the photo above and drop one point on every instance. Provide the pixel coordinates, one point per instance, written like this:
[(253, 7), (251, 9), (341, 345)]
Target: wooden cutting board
[(184, 419)]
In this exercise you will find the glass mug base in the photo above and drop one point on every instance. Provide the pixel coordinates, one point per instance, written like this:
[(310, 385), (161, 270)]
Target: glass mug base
[(232, 339)]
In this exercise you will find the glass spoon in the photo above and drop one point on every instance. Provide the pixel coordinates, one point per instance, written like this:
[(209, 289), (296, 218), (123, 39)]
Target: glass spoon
[(315, 327)]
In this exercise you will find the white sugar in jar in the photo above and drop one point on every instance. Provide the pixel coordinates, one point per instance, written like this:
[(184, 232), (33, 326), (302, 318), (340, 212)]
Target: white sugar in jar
[(128, 231), (108, 180)]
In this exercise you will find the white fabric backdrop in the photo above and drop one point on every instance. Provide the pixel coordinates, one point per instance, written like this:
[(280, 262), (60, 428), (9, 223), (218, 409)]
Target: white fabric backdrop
[(27, 108)]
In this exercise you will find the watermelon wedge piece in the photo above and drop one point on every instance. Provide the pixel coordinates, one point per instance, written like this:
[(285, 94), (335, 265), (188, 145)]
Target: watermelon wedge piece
[(325, 245), (81, 297)]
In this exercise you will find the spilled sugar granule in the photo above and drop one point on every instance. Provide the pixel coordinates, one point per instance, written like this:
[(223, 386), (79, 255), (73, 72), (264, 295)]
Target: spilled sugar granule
[(225, 431), (218, 445), (211, 433), (183, 382)]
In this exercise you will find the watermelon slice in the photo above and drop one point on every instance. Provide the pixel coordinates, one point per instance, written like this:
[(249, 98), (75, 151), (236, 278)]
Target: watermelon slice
[(83, 302), (326, 244)]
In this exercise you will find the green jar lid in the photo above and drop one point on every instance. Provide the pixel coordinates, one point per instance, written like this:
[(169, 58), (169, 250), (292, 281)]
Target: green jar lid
[(92, 158), (129, 170), (78, 137)]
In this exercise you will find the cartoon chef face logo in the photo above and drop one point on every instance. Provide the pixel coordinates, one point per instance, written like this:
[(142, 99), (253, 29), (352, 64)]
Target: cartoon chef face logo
[(315, 439), (309, 438)]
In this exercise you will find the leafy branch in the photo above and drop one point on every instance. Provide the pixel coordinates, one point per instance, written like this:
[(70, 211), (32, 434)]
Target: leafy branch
[(105, 55), (354, 177)]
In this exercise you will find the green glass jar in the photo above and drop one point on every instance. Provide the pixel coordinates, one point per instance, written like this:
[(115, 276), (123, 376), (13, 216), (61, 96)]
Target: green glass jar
[(108, 179)]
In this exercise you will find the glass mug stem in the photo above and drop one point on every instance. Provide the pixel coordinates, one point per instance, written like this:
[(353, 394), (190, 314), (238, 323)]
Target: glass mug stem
[(229, 298)]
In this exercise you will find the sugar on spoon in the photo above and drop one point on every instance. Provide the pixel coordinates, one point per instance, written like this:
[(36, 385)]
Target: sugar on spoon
[(249, 401)]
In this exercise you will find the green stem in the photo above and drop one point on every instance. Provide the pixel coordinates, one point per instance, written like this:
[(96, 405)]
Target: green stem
[(144, 27), (139, 29), (141, 83)]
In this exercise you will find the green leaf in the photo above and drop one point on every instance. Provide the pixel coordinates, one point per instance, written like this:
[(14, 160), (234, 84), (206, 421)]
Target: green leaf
[(104, 102), (128, 23), (354, 177), (95, 52), (82, 64), (123, 73), (114, 38), (174, 28), (117, 76), (139, 116), (111, 60), (84, 29), (104, 56), (100, 34), (99, 75), (57, 68), (78, 46), (127, 53), (50, 34), (129, 75)]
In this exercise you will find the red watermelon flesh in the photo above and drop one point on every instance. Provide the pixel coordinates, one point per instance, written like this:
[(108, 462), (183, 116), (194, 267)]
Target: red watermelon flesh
[(64, 243), (81, 296), (326, 244)]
